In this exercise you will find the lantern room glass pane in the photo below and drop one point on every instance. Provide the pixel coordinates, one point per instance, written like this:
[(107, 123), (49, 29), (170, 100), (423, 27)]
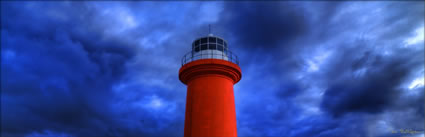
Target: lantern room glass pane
[(219, 41), (204, 47), (219, 47), (204, 40), (212, 46), (197, 42), (212, 40)]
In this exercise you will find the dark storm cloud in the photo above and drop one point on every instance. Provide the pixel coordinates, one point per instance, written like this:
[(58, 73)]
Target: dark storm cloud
[(363, 79), (371, 84), (275, 33), (265, 25), (262, 33), (58, 74)]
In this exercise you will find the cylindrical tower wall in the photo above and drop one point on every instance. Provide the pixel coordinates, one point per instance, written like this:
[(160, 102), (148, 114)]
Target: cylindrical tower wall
[(210, 107)]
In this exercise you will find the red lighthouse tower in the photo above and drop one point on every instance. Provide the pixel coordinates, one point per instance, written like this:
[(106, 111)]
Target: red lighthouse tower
[(210, 70)]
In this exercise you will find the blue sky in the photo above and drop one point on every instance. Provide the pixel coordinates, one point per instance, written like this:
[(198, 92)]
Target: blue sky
[(319, 69)]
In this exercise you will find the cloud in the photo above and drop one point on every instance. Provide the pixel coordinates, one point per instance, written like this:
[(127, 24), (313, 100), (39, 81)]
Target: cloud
[(310, 68), (377, 87), (264, 26)]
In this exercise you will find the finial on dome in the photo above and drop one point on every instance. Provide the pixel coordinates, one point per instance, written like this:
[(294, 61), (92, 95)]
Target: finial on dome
[(209, 30)]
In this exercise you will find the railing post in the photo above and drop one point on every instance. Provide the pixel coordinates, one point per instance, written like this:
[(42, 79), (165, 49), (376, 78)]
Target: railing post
[(223, 54), (183, 60), (231, 57)]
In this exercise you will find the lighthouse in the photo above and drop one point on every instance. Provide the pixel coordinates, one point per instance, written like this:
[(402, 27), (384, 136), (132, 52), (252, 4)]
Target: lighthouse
[(210, 70)]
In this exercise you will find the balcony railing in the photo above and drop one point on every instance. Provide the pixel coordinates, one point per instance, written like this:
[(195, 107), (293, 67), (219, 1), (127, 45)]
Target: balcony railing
[(210, 54)]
